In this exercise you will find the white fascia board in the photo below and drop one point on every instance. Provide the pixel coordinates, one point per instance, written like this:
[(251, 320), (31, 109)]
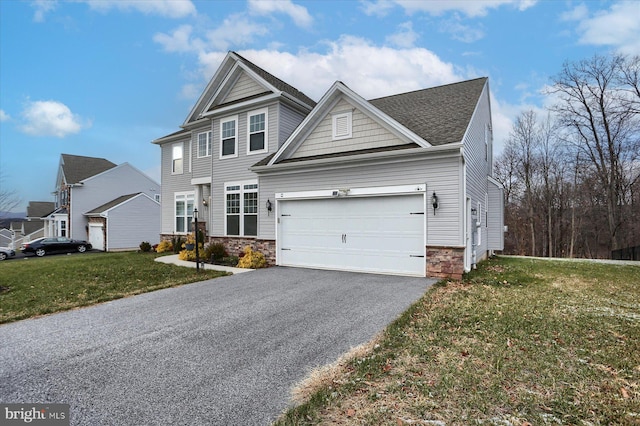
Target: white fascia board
[(495, 182), (379, 191), (253, 103), (172, 138), (201, 181), (386, 157), (475, 111)]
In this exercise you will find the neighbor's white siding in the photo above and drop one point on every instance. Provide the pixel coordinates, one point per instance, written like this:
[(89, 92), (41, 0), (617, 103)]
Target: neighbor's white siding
[(495, 238), (104, 187), (441, 175), (366, 134), (133, 222)]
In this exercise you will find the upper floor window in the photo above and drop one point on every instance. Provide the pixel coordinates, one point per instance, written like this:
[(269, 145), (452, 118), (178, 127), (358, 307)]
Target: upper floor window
[(204, 144), (341, 124), (229, 137), (177, 158), (257, 126)]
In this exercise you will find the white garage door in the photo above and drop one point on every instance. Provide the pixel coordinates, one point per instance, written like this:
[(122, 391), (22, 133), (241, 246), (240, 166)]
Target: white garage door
[(96, 236), (369, 234)]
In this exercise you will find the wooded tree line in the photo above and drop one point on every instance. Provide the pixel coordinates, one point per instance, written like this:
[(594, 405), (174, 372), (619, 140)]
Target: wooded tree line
[(572, 174)]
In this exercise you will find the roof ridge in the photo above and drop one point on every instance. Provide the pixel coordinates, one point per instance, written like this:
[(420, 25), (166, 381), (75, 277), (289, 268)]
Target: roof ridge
[(429, 88)]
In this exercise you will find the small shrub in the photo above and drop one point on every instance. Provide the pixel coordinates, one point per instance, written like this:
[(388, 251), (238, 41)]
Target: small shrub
[(252, 259), (176, 244), (190, 255), (164, 246), (215, 252), (145, 247)]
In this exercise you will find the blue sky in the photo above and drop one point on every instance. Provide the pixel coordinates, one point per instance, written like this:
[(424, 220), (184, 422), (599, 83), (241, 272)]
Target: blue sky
[(104, 78)]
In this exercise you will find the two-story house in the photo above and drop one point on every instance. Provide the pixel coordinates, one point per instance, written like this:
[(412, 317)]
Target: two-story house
[(400, 184), (114, 207)]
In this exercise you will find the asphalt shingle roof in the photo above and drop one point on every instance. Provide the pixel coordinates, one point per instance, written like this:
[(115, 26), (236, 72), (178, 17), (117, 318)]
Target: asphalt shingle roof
[(106, 206), (277, 83), (440, 115), (77, 168), (40, 208)]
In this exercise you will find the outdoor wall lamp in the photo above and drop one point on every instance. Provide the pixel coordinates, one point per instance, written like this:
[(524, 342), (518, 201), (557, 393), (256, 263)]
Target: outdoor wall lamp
[(434, 202), (269, 206)]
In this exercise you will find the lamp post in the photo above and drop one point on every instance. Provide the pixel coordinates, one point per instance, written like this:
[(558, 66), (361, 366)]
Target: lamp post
[(195, 217)]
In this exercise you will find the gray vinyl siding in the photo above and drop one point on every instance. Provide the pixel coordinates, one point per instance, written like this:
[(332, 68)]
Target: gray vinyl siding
[(244, 87), (200, 167), (366, 134), (236, 169), (478, 164), (133, 222), (102, 188), (170, 185), (289, 120), (495, 238), (440, 175)]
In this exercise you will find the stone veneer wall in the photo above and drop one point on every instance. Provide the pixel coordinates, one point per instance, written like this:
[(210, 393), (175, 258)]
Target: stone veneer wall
[(236, 245), (445, 262)]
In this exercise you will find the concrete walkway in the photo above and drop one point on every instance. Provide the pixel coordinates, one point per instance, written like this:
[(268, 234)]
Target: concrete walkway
[(173, 259)]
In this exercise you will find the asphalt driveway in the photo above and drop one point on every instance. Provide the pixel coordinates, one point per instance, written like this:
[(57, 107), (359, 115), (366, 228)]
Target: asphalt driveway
[(225, 351)]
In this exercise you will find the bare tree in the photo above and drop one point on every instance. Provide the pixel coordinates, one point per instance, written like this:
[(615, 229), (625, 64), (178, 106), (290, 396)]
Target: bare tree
[(8, 198), (601, 126)]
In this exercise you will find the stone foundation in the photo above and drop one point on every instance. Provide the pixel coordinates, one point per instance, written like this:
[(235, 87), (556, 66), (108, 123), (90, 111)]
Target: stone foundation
[(236, 245), (445, 262)]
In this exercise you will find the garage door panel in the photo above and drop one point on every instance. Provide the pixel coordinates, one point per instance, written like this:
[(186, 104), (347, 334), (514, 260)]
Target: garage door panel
[(369, 234)]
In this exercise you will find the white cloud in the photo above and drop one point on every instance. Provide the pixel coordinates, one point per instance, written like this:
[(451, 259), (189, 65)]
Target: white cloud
[(461, 32), (405, 36), (578, 13), (235, 30), (179, 40), (438, 7), (42, 7), (297, 13), (378, 8), (617, 27), (50, 118), (168, 8), (4, 116)]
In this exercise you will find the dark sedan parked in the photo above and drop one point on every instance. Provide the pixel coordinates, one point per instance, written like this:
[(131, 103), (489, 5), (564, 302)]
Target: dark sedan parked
[(43, 246)]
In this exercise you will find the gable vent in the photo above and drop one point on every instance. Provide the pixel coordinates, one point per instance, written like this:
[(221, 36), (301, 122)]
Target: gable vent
[(342, 125)]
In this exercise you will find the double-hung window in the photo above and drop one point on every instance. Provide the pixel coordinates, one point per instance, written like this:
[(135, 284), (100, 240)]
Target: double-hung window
[(229, 137), (257, 127), (242, 208), (183, 212), (177, 158), (204, 144)]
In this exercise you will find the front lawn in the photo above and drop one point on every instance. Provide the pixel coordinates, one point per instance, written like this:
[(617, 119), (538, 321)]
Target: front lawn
[(36, 286), (517, 342)]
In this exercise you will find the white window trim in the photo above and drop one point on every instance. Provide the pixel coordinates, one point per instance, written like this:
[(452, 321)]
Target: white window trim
[(186, 196), (226, 120), (264, 111), (334, 128), (240, 191), (173, 146), (207, 144)]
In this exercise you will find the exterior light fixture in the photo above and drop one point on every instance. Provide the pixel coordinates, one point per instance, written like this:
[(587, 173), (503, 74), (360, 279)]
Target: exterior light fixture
[(434, 202), (269, 206)]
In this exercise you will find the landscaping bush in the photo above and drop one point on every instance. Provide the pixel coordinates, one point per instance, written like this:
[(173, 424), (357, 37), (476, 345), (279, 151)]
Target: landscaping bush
[(176, 244), (190, 255), (252, 259), (215, 252), (145, 247), (164, 246)]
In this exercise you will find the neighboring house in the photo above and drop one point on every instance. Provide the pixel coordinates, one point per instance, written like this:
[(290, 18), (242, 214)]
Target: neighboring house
[(400, 184), (87, 188), (33, 227), (6, 238)]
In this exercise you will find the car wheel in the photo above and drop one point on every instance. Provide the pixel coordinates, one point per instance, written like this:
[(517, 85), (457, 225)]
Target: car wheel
[(40, 252), (3, 255), (82, 248)]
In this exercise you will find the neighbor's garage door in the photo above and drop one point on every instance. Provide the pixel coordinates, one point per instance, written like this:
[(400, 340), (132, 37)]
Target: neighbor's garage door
[(370, 234), (96, 236)]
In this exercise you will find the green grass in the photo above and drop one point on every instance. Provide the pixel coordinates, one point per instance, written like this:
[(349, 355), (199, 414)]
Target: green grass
[(31, 286), (517, 342)]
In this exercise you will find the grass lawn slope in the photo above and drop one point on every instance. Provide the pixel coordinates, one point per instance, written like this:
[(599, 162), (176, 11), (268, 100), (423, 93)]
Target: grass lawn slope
[(30, 287), (517, 342)]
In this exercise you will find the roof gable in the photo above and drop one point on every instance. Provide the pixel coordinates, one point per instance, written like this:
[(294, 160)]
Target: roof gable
[(40, 208), (235, 69), (104, 208), (76, 168)]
